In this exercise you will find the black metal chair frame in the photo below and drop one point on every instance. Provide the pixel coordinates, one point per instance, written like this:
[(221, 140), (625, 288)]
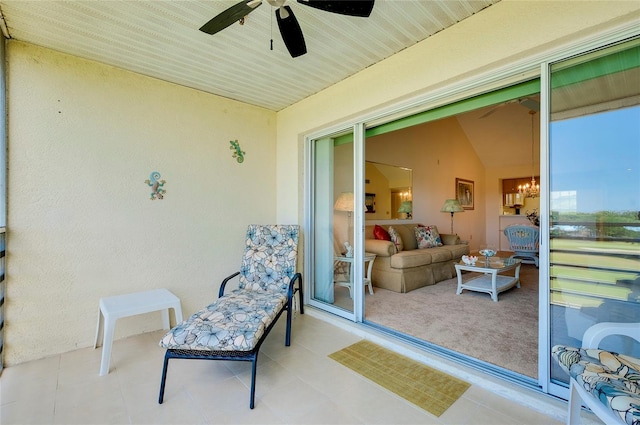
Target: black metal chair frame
[(243, 356)]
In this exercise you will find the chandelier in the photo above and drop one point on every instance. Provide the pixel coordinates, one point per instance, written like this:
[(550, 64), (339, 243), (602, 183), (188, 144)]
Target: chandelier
[(530, 190)]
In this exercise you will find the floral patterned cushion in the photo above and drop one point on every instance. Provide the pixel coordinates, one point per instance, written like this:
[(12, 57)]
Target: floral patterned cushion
[(427, 237), (234, 322), (237, 320), (613, 379), (269, 260), (396, 239)]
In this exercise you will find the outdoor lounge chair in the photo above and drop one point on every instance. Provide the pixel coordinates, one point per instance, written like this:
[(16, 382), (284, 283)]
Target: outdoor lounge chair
[(604, 381), (235, 325)]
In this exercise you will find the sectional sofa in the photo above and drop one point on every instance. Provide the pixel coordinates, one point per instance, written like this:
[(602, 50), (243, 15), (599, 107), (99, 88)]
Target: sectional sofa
[(411, 268)]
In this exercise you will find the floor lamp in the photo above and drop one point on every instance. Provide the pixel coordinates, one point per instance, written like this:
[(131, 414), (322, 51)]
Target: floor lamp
[(452, 206), (345, 203)]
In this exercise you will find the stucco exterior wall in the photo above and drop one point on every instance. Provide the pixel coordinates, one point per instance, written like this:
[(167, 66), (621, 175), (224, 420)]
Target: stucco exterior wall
[(83, 138)]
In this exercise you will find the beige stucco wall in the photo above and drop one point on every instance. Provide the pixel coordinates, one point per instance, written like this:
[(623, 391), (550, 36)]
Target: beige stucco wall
[(493, 39), (83, 138)]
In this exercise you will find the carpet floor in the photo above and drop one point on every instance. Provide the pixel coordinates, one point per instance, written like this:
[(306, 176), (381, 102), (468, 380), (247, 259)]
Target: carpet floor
[(425, 387), (503, 333)]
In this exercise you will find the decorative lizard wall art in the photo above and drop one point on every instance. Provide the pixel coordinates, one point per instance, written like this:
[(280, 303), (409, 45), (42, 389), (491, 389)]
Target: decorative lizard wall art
[(156, 186), (239, 153)]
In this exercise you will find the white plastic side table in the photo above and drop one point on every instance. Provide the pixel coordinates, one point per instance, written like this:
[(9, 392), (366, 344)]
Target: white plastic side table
[(119, 306)]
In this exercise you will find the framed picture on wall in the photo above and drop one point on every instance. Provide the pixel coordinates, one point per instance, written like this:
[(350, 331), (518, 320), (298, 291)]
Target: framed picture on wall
[(370, 202), (465, 193)]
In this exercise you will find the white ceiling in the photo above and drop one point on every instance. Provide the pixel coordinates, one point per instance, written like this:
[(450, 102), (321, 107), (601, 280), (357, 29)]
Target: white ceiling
[(161, 39)]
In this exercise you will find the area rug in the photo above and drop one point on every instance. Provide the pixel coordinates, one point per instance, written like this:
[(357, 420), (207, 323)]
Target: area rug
[(425, 387), (503, 333)]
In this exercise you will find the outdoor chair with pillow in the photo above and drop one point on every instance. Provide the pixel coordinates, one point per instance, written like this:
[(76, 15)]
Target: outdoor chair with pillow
[(524, 242), (235, 325), (606, 382)]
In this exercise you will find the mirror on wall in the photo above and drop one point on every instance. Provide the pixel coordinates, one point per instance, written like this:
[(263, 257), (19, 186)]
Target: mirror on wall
[(389, 192)]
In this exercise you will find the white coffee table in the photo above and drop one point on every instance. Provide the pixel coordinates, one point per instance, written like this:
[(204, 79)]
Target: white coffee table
[(490, 281)]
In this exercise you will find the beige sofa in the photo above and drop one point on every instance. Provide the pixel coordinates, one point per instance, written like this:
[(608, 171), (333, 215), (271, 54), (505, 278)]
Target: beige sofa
[(412, 268)]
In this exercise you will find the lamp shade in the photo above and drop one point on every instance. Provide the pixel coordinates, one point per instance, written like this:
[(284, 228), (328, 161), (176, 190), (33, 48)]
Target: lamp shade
[(508, 200), (452, 206), (518, 199), (344, 202), (406, 207)]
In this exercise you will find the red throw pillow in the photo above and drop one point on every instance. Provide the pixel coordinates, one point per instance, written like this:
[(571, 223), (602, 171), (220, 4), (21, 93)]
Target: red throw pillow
[(380, 233)]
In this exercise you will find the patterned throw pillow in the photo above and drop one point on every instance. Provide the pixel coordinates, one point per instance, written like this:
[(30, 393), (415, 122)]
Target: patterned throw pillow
[(380, 233), (427, 237), (396, 239)]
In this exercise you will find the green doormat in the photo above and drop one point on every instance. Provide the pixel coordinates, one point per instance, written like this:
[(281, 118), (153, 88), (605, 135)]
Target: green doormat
[(425, 387)]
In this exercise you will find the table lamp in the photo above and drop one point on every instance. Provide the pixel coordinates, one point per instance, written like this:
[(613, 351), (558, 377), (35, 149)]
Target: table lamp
[(406, 207)]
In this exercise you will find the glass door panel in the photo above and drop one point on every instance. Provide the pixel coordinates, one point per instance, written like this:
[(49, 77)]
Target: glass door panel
[(333, 204), (594, 197)]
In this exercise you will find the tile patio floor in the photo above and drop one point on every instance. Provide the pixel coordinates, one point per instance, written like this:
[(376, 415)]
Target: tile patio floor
[(295, 385)]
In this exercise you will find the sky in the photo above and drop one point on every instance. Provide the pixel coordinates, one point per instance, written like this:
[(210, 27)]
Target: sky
[(598, 157)]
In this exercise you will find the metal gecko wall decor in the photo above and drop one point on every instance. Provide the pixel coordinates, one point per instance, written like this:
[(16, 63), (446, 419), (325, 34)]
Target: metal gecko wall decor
[(238, 153), (156, 186)]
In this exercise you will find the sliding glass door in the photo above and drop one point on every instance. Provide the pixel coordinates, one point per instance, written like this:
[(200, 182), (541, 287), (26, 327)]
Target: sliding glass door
[(594, 198), (590, 201), (336, 205)]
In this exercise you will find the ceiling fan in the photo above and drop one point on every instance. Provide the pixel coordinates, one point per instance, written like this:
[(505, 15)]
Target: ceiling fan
[(287, 22), (529, 103)]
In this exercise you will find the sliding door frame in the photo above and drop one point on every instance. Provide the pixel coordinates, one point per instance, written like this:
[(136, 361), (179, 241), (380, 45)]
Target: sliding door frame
[(544, 322), (357, 129)]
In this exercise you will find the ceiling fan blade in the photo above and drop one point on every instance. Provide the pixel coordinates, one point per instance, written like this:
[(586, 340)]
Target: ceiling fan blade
[(527, 102), (360, 8), (229, 16), (491, 111), (530, 104), (291, 32)]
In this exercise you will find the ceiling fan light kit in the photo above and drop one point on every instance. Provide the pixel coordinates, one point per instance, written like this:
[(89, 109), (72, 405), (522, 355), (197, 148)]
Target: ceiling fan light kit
[(287, 22)]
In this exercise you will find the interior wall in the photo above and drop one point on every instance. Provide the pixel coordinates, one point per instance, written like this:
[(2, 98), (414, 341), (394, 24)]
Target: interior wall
[(378, 184), (493, 195), (83, 138), (438, 152)]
